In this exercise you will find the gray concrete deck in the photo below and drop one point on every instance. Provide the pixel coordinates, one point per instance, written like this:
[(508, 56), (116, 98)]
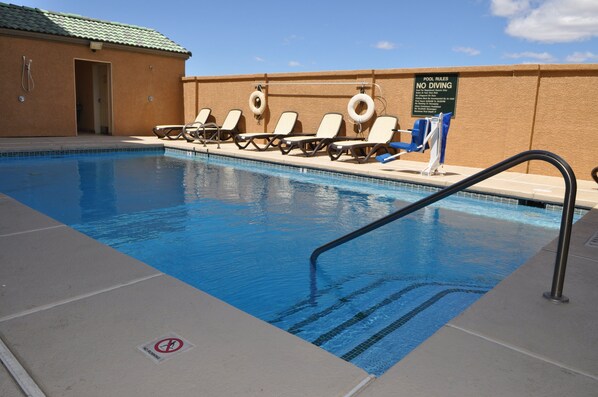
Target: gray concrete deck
[(73, 312)]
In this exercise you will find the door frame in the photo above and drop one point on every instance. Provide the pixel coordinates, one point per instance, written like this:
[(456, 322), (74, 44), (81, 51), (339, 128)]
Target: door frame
[(102, 95)]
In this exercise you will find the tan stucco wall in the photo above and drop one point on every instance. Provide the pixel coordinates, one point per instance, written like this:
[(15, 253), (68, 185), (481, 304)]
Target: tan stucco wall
[(567, 117), (500, 110), (50, 109)]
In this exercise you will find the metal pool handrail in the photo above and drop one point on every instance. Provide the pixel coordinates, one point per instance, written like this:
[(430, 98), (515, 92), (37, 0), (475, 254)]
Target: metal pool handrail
[(556, 292), (203, 138)]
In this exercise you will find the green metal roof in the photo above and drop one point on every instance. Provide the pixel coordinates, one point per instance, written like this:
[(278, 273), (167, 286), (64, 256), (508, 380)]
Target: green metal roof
[(69, 25)]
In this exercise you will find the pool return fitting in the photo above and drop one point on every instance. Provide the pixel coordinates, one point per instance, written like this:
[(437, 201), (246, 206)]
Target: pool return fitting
[(555, 294)]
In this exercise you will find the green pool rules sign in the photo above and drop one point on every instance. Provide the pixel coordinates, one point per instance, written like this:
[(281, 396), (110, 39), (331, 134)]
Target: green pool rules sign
[(434, 93)]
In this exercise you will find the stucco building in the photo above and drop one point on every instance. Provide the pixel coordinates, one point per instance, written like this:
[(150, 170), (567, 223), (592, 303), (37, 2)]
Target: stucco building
[(65, 74)]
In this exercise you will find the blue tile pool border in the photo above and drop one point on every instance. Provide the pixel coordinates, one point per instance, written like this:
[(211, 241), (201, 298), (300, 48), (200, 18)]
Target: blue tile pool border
[(76, 152)]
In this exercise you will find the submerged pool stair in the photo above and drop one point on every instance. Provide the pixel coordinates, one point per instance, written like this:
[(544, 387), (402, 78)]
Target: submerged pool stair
[(374, 322), (556, 291)]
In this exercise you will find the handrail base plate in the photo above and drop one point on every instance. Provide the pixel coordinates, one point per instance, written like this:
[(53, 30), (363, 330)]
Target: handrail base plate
[(555, 300)]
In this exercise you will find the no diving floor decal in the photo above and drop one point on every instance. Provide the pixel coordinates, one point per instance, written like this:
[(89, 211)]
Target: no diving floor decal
[(165, 347)]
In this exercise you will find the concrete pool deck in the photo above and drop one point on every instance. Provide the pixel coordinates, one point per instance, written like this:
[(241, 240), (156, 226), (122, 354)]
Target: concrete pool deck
[(73, 312)]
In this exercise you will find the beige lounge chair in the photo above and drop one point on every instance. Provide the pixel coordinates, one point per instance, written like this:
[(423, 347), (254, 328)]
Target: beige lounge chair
[(284, 127), (310, 144), (380, 135), (165, 131), (212, 132)]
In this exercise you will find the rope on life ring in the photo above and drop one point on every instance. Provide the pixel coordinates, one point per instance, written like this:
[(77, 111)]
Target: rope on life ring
[(257, 102), (356, 100)]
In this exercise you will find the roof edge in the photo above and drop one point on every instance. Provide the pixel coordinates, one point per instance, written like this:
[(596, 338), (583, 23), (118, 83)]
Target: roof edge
[(85, 42), (22, 14)]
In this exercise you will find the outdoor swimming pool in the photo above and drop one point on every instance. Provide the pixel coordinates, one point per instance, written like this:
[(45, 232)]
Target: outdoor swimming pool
[(244, 232)]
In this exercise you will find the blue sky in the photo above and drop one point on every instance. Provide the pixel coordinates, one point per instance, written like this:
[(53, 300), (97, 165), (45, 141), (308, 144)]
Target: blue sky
[(267, 36)]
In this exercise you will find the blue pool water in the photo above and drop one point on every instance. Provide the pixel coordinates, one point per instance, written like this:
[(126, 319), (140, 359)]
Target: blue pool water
[(244, 232)]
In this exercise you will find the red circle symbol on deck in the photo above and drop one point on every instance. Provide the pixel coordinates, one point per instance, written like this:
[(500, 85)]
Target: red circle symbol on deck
[(168, 345)]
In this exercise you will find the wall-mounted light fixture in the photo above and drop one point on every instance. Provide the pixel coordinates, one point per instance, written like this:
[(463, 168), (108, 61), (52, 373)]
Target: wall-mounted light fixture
[(95, 45)]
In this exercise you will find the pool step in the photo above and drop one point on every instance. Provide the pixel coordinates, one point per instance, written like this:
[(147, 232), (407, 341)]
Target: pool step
[(393, 313), (402, 320)]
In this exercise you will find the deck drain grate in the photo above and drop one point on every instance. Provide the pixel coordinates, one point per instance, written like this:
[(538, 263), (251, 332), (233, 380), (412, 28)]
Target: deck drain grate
[(593, 241)]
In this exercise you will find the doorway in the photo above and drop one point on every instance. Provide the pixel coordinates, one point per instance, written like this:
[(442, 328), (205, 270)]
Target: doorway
[(93, 85)]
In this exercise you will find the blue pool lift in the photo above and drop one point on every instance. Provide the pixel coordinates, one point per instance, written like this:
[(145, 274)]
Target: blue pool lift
[(428, 133)]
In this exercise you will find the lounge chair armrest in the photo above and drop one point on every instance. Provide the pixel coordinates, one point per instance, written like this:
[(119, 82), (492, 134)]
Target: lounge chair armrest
[(348, 138), (194, 124), (202, 126), (410, 131)]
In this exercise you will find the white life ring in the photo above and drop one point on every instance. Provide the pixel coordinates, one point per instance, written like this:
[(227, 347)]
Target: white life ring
[(361, 118), (257, 107)]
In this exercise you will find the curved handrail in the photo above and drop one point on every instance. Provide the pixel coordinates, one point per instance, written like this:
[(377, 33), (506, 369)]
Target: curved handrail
[(556, 292)]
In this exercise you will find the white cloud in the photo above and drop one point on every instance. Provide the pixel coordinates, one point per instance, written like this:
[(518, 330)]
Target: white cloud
[(259, 59), (385, 45), (537, 56), (580, 57), (294, 63), (467, 50), (549, 21)]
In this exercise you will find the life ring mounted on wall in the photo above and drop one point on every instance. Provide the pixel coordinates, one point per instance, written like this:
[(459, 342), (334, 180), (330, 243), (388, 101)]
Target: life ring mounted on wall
[(355, 101), (257, 102)]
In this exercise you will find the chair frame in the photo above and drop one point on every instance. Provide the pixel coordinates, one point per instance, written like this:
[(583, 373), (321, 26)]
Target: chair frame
[(310, 144), (335, 151), (244, 140), (212, 132), (165, 131)]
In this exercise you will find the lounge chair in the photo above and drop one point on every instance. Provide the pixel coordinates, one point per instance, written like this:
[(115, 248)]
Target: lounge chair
[(284, 127), (167, 131), (310, 144), (429, 133), (378, 139), (212, 132)]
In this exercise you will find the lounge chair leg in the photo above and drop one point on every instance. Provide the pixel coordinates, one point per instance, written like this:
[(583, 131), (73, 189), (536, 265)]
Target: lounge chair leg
[(189, 136), (239, 145), (255, 145), (157, 133), (356, 153), (374, 151), (307, 148), (334, 153), (180, 134), (285, 149), (273, 143), (266, 146), (315, 149)]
